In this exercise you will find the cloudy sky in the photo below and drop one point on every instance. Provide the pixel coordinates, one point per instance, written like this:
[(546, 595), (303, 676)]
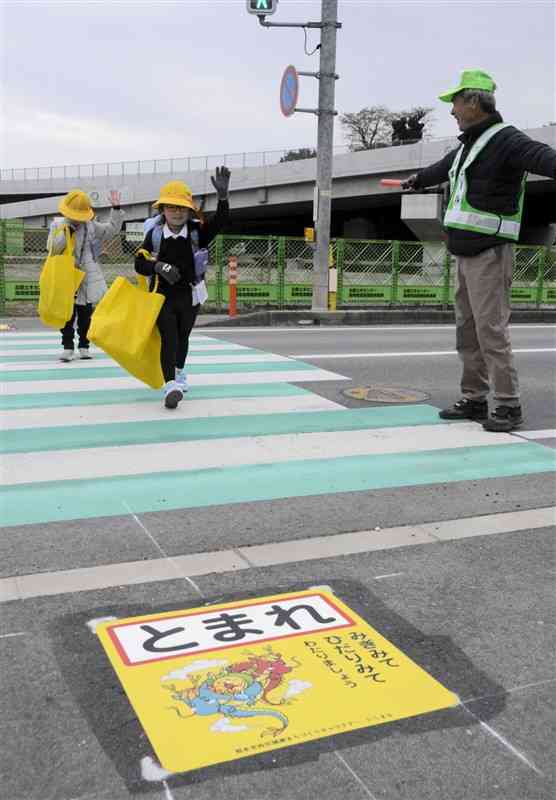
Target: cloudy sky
[(109, 80)]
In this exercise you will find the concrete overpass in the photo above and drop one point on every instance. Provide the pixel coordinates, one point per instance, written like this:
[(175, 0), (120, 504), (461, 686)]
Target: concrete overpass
[(275, 191)]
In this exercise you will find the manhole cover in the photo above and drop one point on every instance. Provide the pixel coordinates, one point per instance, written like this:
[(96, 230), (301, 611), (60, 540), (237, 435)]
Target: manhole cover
[(385, 394)]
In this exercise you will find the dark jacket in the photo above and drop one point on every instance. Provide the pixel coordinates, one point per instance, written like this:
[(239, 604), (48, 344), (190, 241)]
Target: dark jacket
[(179, 252), (493, 179)]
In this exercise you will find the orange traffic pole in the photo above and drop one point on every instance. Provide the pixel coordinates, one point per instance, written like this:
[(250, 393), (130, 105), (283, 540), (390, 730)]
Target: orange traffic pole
[(232, 285)]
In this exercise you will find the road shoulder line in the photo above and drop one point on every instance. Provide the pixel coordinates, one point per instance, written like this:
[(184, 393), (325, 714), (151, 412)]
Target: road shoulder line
[(133, 572)]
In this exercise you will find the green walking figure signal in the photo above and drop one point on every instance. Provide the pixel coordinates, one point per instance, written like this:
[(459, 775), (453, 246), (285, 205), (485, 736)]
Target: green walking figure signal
[(262, 7)]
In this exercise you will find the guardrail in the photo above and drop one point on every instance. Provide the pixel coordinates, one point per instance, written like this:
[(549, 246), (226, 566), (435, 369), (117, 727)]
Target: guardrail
[(154, 166), (119, 169), (276, 271)]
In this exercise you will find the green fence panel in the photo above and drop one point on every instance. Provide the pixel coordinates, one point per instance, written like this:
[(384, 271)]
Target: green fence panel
[(298, 282), (527, 264), (216, 256), (549, 279), (421, 273), (366, 272), (14, 243), (452, 270), (278, 270), (281, 263), (257, 269), (540, 275), (447, 278), (20, 290), (340, 247), (2, 267)]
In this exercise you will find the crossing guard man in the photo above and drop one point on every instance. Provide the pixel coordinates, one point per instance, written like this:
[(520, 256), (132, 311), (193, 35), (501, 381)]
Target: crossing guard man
[(487, 174)]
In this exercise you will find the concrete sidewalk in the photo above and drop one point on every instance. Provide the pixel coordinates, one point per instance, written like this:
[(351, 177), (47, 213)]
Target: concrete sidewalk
[(473, 612)]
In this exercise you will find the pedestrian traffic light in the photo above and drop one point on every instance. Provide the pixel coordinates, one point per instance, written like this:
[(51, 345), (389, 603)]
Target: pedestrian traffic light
[(262, 7)]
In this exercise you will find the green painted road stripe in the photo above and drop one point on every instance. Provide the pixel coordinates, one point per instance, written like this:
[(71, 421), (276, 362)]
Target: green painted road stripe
[(86, 499), (54, 358), (29, 346), (118, 396), (63, 372), (41, 335), (175, 430), (36, 345)]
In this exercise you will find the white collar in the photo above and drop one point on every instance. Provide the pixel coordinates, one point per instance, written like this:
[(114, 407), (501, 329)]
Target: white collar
[(167, 233)]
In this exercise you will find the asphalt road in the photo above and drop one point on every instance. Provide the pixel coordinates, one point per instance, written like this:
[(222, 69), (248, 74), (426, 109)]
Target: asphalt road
[(456, 574), (423, 368)]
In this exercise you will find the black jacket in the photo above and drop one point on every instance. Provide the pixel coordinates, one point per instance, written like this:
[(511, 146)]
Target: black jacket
[(493, 179), (179, 252)]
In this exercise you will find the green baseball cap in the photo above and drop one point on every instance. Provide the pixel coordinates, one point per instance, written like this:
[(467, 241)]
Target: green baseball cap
[(470, 79)]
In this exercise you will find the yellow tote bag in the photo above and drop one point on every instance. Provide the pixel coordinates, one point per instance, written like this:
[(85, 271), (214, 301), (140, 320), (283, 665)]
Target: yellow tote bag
[(124, 326), (58, 282)]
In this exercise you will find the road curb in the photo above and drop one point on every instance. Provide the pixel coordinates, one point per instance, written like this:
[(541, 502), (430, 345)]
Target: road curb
[(307, 318), (375, 317)]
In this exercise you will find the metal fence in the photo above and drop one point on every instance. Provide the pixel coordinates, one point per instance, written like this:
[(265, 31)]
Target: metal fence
[(166, 166), (162, 166), (276, 271)]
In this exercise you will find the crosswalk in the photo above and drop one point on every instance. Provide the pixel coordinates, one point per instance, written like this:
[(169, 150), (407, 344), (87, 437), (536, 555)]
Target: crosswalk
[(85, 440)]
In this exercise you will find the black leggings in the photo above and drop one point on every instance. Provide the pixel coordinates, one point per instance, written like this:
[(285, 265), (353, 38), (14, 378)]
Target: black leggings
[(175, 323), (83, 314)]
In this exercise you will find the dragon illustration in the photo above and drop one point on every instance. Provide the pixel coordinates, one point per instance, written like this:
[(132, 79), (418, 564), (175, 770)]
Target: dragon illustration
[(235, 690)]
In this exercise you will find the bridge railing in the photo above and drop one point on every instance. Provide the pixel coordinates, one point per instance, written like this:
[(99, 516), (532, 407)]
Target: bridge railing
[(277, 271), (181, 164), (119, 169)]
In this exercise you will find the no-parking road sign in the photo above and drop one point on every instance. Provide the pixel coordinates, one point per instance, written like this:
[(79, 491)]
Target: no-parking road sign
[(289, 91)]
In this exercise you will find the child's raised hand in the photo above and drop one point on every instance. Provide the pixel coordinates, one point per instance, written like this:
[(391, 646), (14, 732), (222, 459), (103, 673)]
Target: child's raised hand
[(115, 198), (221, 182)]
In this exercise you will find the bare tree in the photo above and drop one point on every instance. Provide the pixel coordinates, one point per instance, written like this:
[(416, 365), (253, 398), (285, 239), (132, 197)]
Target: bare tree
[(369, 128), (410, 126), (297, 155)]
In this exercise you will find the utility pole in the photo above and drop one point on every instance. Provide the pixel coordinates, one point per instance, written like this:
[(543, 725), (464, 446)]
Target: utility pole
[(325, 134), (325, 152)]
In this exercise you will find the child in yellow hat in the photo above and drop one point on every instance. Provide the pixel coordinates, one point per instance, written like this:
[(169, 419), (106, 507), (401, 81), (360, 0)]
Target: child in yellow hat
[(78, 219), (174, 249)]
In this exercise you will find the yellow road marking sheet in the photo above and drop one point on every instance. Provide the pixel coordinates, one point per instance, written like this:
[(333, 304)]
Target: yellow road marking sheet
[(223, 682)]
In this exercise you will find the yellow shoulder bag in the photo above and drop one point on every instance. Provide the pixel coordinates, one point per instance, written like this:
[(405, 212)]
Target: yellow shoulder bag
[(124, 326), (58, 282)]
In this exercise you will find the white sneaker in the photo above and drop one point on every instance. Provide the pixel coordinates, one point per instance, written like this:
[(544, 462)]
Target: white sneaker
[(181, 380), (84, 353), (67, 355), (172, 394)]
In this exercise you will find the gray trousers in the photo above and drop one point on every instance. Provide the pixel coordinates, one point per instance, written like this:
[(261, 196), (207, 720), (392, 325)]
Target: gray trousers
[(482, 303)]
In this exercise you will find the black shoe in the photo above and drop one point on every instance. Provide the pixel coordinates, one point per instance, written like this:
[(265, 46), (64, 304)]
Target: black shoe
[(504, 419), (466, 409), (172, 399)]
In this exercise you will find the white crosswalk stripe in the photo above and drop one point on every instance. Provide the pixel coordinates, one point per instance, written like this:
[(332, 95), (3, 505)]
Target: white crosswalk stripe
[(85, 440)]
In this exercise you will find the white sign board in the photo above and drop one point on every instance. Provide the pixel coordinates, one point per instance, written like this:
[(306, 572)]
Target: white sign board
[(134, 232), (100, 198)]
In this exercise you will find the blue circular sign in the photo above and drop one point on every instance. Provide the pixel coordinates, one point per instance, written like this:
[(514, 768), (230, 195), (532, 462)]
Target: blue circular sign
[(289, 91)]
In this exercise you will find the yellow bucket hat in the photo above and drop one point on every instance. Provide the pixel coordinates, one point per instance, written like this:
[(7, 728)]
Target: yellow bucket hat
[(76, 205), (176, 193)]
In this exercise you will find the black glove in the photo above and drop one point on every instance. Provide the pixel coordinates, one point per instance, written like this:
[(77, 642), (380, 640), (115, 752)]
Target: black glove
[(169, 272), (221, 182), (410, 182)]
